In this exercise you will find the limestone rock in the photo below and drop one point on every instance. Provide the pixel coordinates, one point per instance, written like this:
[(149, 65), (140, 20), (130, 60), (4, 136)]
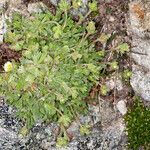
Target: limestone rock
[(7, 138), (140, 82), (36, 7), (139, 28), (54, 2), (121, 106), (2, 3), (111, 138), (2, 27)]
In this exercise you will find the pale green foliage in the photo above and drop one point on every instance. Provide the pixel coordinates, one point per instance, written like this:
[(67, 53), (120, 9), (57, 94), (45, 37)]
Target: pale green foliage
[(103, 38), (57, 69), (123, 48), (93, 5), (62, 141), (76, 3), (91, 27), (85, 129), (126, 74), (104, 90), (114, 65)]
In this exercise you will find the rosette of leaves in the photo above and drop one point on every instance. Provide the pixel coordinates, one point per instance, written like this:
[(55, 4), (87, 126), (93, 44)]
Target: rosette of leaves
[(57, 69)]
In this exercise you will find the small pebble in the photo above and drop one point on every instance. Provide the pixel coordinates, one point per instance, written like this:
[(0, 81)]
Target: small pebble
[(111, 19), (121, 106)]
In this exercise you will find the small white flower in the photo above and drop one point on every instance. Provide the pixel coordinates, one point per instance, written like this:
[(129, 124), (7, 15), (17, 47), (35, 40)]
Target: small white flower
[(8, 66)]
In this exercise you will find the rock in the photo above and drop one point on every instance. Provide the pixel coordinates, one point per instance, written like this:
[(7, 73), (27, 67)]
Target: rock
[(95, 114), (2, 3), (36, 7), (9, 129), (119, 85), (109, 135), (110, 84), (103, 113), (107, 112), (48, 130), (139, 28), (1, 38), (121, 106), (111, 138), (39, 7), (3, 27), (12, 6), (73, 130), (9, 139), (140, 82), (111, 19), (115, 135), (46, 145), (54, 2), (141, 53), (83, 9), (114, 82)]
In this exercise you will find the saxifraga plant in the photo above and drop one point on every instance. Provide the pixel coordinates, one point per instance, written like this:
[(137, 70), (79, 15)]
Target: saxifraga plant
[(57, 69)]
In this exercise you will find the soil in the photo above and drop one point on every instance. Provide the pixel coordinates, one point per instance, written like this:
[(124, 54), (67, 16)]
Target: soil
[(7, 54), (112, 19)]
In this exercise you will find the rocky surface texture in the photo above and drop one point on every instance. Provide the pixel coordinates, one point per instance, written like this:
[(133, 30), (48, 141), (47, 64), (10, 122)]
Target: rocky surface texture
[(106, 118), (140, 31), (107, 132)]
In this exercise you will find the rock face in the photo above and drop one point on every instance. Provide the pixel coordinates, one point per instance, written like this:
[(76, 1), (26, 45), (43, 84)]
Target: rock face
[(2, 28), (140, 32), (9, 138), (121, 106), (110, 139), (2, 21), (107, 134)]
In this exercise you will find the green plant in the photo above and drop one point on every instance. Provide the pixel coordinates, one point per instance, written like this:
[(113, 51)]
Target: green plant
[(57, 69), (114, 65), (123, 48), (138, 126), (76, 4), (127, 74), (104, 90)]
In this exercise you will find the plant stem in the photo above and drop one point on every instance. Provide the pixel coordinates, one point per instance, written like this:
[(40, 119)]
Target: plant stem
[(58, 111), (53, 22), (64, 131), (76, 117), (65, 22), (84, 37), (81, 19)]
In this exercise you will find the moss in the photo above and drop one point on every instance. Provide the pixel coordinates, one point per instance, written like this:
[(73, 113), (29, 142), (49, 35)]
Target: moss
[(138, 126)]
